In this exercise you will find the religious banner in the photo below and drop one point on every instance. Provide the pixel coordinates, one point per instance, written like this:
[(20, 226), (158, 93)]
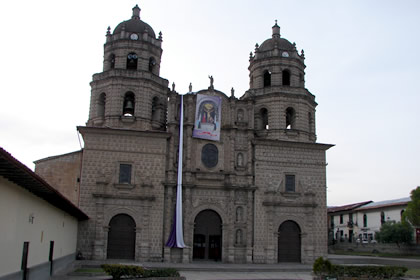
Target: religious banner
[(176, 237), (208, 117)]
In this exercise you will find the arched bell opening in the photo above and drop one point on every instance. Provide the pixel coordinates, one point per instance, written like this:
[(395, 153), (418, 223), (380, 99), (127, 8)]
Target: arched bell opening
[(129, 104)]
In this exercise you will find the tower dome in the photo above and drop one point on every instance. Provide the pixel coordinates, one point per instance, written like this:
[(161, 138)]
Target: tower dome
[(276, 63), (276, 42), (134, 25)]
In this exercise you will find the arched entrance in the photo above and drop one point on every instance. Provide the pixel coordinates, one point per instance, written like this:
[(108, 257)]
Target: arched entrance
[(289, 242), (121, 237), (207, 236)]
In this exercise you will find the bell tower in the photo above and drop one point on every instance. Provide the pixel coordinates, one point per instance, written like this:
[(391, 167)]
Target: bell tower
[(129, 93), (284, 108)]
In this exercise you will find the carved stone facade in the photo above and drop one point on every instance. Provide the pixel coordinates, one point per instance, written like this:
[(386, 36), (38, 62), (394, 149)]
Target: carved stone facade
[(265, 182)]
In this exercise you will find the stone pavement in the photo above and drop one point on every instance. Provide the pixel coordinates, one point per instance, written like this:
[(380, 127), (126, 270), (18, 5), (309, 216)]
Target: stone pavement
[(211, 271), (223, 271)]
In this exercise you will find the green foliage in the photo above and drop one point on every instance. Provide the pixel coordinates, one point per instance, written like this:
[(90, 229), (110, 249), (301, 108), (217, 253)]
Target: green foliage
[(378, 272), (161, 272), (392, 232), (412, 213), (118, 270), (323, 267)]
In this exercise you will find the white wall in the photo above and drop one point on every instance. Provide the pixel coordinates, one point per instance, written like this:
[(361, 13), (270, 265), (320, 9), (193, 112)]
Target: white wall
[(49, 224), (374, 218)]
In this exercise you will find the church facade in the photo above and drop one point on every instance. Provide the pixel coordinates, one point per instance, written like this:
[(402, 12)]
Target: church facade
[(255, 195)]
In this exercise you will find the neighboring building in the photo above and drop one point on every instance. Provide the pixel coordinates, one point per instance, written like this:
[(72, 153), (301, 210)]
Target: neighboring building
[(256, 195), (362, 220), (370, 217), (39, 225), (342, 221)]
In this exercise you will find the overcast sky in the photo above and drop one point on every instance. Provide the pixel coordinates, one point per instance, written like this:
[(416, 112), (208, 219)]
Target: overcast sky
[(362, 64)]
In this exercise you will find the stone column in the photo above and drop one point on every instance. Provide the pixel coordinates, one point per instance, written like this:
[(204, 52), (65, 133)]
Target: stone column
[(98, 243)]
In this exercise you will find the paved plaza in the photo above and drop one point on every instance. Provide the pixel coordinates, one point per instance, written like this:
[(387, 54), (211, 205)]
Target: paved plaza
[(223, 271)]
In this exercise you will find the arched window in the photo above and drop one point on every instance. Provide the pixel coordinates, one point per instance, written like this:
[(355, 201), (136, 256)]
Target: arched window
[(132, 61), (101, 105), (290, 118), (310, 122), (251, 82), (264, 118), (155, 109), (239, 214), (382, 218), (112, 61), (267, 78), (286, 77), (129, 104), (401, 214), (364, 220), (152, 64)]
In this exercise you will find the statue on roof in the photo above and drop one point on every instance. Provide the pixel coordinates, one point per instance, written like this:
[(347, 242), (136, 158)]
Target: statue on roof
[(211, 81)]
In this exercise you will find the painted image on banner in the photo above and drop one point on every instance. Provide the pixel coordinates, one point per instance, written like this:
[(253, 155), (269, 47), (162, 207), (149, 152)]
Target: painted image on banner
[(207, 117)]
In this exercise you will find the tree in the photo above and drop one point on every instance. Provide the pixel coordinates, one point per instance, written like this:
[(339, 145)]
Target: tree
[(412, 213), (392, 232)]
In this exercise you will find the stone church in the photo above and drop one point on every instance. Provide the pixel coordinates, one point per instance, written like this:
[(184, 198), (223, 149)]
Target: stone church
[(255, 195)]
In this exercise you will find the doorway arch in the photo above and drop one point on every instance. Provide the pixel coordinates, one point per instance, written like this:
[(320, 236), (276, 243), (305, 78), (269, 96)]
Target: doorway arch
[(121, 237), (207, 243), (289, 242)]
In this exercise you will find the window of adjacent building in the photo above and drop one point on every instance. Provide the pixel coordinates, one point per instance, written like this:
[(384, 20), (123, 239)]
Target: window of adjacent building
[(132, 61), (267, 78), (350, 217), (286, 77), (332, 222), (129, 104), (341, 219), (125, 174), (290, 118), (382, 218), (401, 214), (290, 183), (101, 105), (364, 220)]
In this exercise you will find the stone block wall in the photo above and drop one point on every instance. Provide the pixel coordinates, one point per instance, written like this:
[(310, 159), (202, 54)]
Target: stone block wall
[(62, 173)]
